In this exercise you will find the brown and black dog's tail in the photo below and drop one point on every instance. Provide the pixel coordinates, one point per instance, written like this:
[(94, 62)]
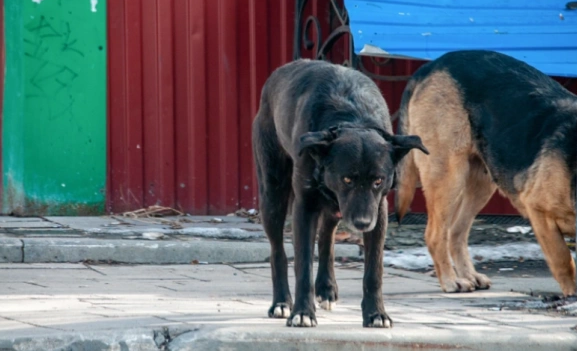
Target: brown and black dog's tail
[(407, 175)]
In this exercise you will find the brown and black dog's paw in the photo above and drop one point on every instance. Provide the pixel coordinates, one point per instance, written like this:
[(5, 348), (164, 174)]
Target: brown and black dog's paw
[(327, 295), (302, 317), (280, 310), (377, 320)]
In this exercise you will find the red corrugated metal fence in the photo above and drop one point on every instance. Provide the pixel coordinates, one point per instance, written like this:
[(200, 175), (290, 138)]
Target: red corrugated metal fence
[(184, 85)]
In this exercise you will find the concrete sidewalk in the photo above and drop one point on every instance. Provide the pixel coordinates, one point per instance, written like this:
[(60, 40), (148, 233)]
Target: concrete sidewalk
[(59, 293), (223, 307), (116, 239)]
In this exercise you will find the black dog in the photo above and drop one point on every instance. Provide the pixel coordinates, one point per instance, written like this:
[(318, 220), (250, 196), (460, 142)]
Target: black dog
[(322, 136)]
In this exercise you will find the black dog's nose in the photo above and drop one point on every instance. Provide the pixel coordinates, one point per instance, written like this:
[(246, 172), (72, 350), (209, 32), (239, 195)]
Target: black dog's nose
[(362, 224)]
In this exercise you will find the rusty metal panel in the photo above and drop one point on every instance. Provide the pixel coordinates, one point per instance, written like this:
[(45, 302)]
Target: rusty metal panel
[(158, 102), (191, 112), (222, 88), (125, 106)]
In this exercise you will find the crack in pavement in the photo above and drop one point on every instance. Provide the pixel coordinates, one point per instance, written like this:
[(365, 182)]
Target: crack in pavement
[(31, 324)]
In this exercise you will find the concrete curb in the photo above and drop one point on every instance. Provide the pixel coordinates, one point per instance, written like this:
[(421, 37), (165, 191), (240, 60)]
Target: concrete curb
[(253, 338), (142, 340), (10, 250), (61, 250), (278, 337)]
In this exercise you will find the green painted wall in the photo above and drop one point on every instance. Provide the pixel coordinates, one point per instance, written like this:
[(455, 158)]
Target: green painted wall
[(54, 113)]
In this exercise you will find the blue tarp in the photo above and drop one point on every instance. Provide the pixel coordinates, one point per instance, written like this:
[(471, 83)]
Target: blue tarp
[(542, 33)]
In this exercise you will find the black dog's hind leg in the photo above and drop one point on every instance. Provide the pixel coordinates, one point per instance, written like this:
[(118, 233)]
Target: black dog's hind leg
[(305, 221), (274, 179), (326, 289), (372, 305)]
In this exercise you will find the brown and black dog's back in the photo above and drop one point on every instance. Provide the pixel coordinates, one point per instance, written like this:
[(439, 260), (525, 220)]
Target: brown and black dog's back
[(490, 122)]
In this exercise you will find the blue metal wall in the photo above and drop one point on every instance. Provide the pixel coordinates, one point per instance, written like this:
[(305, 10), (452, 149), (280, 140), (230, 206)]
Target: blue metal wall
[(542, 33)]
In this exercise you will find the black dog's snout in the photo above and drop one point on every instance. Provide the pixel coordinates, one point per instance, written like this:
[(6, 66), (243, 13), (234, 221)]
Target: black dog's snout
[(362, 224)]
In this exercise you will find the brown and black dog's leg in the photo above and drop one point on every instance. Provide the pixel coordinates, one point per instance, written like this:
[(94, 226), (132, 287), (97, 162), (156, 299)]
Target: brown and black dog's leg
[(557, 253), (444, 181), (546, 199), (374, 315), (305, 221), (326, 289), (274, 180), (478, 191)]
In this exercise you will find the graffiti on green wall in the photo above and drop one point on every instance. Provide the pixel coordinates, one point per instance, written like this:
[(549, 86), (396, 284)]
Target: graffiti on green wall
[(54, 139)]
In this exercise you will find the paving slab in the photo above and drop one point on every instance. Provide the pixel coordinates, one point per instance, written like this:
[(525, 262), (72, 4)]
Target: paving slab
[(29, 224), (8, 219), (204, 226)]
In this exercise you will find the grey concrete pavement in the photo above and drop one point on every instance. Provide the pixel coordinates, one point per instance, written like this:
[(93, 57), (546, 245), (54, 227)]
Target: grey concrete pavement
[(170, 240), (183, 239), (223, 307), (49, 301)]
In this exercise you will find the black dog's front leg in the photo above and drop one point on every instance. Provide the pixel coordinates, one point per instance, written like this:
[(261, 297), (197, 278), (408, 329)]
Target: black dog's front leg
[(305, 219), (373, 308), (326, 289)]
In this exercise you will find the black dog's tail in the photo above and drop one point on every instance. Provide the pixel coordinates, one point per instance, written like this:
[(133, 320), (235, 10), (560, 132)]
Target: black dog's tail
[(407, 175)]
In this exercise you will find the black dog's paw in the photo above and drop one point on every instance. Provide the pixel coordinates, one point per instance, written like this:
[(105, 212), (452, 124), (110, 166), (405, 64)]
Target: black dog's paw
[(279, 310), (378, 320), (301, 318), (327, 296)]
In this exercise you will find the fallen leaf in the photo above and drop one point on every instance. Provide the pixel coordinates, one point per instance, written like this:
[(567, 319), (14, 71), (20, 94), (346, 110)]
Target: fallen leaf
[(342, 236)]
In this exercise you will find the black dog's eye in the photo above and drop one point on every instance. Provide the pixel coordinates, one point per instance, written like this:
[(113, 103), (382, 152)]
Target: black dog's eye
[(347, 181), (378, 183)]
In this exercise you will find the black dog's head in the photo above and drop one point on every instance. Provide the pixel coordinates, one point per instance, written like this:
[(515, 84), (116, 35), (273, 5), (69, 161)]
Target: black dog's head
[(358, 166)]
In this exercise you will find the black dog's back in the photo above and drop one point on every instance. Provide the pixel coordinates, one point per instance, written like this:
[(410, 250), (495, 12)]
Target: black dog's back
[(306, 96)]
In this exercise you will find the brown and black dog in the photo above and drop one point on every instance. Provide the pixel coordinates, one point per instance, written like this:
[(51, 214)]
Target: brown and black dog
[(322, 136), (490, 122)]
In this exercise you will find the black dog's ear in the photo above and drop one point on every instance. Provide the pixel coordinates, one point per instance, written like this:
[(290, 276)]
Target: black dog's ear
[(316, 143), (402, 144)]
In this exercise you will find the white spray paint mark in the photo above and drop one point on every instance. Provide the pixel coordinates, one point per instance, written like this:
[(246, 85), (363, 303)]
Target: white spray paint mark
[(37, 1), (93, 4)]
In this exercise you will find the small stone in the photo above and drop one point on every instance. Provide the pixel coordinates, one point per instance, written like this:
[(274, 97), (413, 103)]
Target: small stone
[(159, 339)]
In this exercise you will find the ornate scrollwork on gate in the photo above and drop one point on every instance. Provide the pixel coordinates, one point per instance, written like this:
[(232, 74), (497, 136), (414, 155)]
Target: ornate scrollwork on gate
[(320, 47)]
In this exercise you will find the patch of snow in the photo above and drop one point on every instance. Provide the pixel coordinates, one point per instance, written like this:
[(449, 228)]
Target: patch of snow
[(519, 229), (152, 235), (571, 309), (221, 233), (369, 49), (419, 258)]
